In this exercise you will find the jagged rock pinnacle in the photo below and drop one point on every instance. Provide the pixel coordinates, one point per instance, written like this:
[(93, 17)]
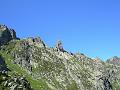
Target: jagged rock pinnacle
[(6, 34)]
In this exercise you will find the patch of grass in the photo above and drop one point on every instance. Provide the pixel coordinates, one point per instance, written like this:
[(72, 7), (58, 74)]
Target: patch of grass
[(72, 86), (115, 86)]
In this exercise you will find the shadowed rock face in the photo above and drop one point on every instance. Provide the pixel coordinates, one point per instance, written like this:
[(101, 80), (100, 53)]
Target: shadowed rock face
[(6, 34), (3, 66)]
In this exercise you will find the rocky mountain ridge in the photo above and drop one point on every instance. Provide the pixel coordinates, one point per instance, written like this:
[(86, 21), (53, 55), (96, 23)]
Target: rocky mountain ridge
[(6, 34), (54, 68)]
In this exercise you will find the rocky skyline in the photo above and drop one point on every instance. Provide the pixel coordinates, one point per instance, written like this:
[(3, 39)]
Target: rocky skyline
[(92, 26), (29, 64)]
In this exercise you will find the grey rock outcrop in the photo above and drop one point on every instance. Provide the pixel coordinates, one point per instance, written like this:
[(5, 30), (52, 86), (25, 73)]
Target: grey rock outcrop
[(36, 41), (17, 83), (59, 46), (114, 60), (6, 34), (25, 50)]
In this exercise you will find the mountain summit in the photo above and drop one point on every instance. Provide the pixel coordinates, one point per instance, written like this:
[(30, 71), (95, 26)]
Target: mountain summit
[(28, 64), (6, 34)]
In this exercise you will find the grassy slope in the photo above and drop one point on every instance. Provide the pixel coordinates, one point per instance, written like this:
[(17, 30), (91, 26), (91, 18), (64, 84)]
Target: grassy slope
[(36, 84), (15, 69), (40, 84)]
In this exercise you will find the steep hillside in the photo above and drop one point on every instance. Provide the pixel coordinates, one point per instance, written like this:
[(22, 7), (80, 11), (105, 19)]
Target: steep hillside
[(45, 68)]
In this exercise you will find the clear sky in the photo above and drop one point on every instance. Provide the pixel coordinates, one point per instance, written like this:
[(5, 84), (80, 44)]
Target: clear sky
[(88, 26)]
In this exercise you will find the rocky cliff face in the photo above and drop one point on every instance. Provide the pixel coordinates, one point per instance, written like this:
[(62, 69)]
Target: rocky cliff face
[(53, 69), (6, 34)]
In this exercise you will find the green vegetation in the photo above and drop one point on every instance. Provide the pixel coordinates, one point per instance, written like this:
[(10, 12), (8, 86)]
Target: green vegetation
[(116, 86), (16, 70), (52, 69), (72, 86)]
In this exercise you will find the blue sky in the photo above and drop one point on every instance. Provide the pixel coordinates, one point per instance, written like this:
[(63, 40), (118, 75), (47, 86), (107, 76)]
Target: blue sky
[(91, 27)]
